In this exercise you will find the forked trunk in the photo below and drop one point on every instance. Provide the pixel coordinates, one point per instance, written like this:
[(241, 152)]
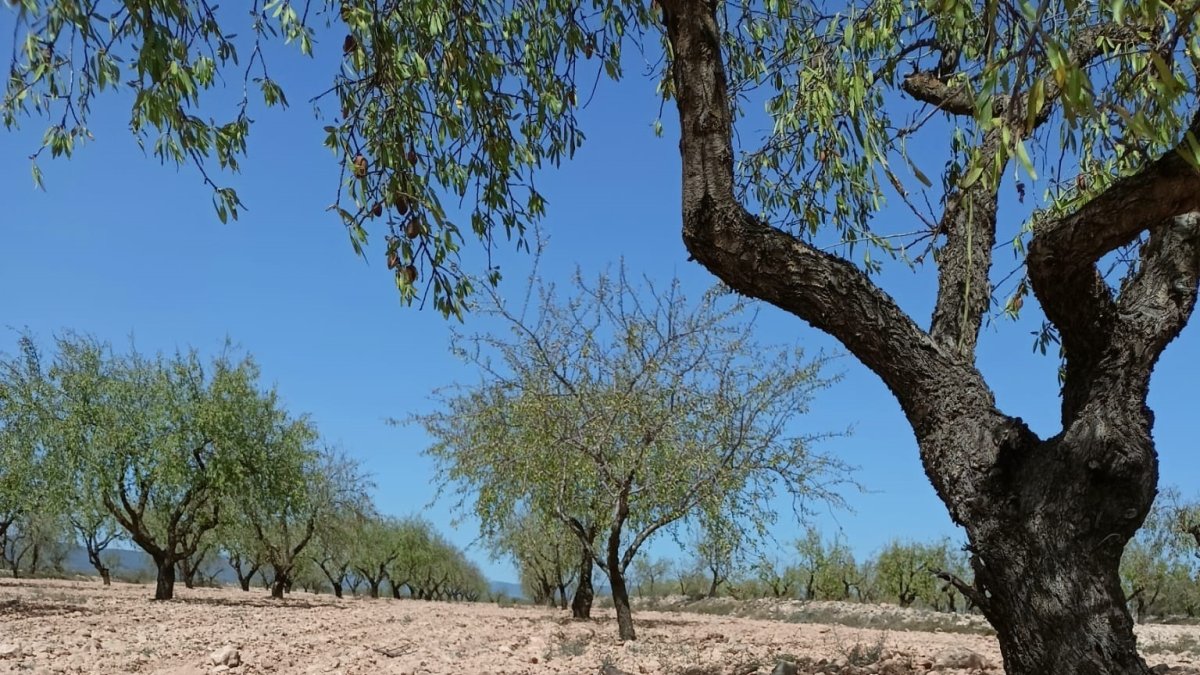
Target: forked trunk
[(1047, 532), (581, 604), (164, 588)]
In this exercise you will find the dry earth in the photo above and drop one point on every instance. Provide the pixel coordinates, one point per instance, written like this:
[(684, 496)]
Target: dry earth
[(82, 627)]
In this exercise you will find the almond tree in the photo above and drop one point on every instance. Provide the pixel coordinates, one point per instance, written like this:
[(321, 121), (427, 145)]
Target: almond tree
[(545, 551), (157, 440), (1091, 105), (622, 413)]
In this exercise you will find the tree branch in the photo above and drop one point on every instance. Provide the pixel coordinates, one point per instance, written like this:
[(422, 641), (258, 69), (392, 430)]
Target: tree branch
[(764, 262), (1062, 268)]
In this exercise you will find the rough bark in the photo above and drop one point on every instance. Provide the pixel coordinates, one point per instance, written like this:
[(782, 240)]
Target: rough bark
[(279, 585), (581, 603), (620, 593), (164, 587), (1047, 519)]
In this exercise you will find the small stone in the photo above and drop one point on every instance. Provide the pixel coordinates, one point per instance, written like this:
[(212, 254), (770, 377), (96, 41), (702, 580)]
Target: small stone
[(218, 670), (9, 651), (785, 668), (225, 656), (959, 658)]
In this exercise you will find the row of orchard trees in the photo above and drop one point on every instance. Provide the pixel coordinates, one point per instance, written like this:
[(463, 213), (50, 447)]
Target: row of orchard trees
[(186, 460), (1160, 569)]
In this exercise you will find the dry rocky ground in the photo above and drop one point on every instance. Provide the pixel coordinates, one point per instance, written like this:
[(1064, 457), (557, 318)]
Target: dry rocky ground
[(82, 627)]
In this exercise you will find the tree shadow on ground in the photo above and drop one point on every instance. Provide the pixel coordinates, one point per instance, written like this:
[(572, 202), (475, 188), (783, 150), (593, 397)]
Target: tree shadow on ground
[(262, 603), (25, 608)]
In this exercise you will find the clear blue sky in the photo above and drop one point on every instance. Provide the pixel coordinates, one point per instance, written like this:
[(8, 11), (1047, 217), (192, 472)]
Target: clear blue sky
[(119, 245)]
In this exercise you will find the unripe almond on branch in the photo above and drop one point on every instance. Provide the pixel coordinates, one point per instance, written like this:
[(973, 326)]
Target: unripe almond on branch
[(412, 229), (410, 274), (349, 45), (377, 210), (360, 166)]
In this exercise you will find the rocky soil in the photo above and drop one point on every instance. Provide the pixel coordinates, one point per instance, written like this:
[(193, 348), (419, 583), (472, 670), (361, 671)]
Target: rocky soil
[(83, 627)]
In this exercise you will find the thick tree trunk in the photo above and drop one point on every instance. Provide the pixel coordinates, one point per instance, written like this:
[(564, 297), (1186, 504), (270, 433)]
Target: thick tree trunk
[(581, 604), (279, 585), (337, 590), (1047, 520), (562, 595), (164, 588), (374, 585), (620, 596)]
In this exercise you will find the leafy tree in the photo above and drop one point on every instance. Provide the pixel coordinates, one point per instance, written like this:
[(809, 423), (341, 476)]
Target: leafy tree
[(648, 574), (32, 476), (827, 571), (717, 549), (95, 528), (378, 544), (285, 506), (35, 542), (158, 439), (1095, 96), (1157, 566), (907, 572), (779, 578), (545, 551), (241, 549), (332, 550), (629, 413)]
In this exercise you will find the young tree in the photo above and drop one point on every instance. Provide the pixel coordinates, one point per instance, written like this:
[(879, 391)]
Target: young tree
[(33, 479), (649, 574), (95, 528), (630, 412), (376, 548), (718, 550), (545, 551), (1157, 566), (332, 550), (1108, 86)]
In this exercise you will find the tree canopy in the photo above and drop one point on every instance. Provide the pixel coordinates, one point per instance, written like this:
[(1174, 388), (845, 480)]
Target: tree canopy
[(622, 413)]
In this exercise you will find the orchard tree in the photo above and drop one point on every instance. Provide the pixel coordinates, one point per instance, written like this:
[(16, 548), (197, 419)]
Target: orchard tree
[(648, 574), (31, 475), (1158, 565), (332, 550), (95, 529), (623, 413), (827, 570), (718, 549), (1091, 105), (158, 440), (378, 544), (545, 552)]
